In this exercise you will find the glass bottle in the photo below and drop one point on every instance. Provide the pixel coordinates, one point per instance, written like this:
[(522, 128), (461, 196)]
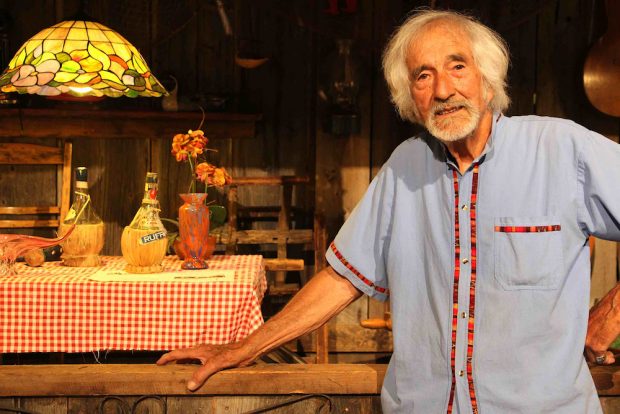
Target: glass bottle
[(83, 246), (81, 211), (147, 217), (342, 89), (144, 242)]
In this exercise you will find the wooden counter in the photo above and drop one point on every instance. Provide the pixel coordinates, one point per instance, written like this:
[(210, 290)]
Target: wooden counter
[(54, 389), (354, 387)]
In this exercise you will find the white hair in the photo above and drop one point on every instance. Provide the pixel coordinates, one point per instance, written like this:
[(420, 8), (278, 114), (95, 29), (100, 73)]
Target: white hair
[(489, 50)]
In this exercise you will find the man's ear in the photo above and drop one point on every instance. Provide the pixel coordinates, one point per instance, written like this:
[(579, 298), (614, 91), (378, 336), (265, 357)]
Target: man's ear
[(488, 93)]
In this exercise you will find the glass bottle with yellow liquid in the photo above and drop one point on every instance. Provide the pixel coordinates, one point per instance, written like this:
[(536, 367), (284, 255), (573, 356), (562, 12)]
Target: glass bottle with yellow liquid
[(83, 246), (144, 242)]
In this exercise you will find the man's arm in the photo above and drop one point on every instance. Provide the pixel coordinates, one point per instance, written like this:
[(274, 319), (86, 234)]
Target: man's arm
[(603, 328), (325, 295)]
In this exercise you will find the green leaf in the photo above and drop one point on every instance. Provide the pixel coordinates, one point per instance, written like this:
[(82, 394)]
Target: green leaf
[(217, 216)]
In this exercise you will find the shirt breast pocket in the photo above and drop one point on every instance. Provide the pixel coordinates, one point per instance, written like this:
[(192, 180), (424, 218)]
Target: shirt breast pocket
[(528, 252)]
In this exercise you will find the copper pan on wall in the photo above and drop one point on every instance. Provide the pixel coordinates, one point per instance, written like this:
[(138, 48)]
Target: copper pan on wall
[(601, 72)]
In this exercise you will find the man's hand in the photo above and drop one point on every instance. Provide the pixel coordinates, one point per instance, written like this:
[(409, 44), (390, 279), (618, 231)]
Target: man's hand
[(213, 358), (599, 357), (326, 294), (603, 328)]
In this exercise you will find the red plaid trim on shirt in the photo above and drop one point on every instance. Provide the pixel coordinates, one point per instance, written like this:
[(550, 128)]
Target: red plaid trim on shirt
[(355, 271), (472, 290), (527, 229), (455, 292)]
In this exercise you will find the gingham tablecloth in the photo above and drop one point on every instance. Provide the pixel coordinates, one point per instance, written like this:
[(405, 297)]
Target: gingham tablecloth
[(55, 308)]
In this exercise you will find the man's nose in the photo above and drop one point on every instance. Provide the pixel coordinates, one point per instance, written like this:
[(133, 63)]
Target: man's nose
[(444, 88)]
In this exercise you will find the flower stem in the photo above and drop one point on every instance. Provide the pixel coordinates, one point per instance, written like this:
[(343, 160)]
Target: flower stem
[(203, 117), (192, 183)]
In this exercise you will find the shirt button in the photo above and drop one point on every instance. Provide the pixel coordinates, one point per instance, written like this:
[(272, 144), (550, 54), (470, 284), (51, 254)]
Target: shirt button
[(464, 207), (461, 373), (465, 260), (463, 314)]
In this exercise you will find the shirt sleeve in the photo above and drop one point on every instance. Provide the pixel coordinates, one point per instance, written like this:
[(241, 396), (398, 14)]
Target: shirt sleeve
[(358, 251), (599, 179)]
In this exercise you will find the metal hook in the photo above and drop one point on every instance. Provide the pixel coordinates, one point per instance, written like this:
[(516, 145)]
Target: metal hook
[(121, 404)]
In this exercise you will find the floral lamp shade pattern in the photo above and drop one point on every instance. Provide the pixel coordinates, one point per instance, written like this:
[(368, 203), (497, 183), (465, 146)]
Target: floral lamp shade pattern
[(80, 58)]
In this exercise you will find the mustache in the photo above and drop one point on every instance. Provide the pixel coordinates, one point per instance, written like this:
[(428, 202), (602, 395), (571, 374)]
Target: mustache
[(442, 106)]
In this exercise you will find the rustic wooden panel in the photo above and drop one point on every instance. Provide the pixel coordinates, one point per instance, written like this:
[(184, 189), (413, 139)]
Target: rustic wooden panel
[(607, 379), (604, 269), (78, 122), (115, 405), (44, 405), (347, 335), (117, 169), (611, 405), (138, 379), (288, 404), (29, 185), (388, 130), (517, 23)]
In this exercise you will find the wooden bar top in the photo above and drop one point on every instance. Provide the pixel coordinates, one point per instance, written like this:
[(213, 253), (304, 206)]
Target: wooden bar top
[(149, 379), (262, 379)]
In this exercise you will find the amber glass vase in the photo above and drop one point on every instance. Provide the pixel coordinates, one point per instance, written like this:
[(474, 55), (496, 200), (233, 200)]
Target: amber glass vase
[(194, 230)]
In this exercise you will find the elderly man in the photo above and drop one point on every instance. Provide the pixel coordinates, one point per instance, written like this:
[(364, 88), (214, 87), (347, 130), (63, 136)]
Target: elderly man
[(477, 230)]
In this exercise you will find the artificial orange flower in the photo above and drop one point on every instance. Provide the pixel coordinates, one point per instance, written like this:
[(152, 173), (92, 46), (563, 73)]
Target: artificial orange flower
[(193, 144), (220, 177)]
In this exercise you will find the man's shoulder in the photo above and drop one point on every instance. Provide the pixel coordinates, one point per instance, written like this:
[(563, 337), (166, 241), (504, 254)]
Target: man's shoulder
[(419, 146), (544, 123)]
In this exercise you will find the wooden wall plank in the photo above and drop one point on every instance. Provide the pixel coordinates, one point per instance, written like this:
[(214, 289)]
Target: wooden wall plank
[(117, 169), (604, 269)]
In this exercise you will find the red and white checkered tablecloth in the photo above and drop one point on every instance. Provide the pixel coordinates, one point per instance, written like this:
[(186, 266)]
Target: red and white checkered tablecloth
[(55, 308)]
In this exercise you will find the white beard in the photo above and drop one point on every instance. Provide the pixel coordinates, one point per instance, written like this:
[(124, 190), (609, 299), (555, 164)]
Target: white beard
[(453, 127)]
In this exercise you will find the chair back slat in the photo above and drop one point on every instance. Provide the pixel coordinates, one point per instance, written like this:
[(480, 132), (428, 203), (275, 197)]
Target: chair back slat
[(46, 216)]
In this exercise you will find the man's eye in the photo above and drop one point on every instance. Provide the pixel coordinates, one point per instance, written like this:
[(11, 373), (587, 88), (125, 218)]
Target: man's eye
[(423, 76), (459, 67)]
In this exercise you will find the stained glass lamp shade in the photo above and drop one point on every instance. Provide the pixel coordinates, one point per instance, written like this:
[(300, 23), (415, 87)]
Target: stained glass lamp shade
[(80, 58)]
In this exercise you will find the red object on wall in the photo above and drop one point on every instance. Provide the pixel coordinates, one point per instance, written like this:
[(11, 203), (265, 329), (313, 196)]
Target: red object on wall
[(334, 7)]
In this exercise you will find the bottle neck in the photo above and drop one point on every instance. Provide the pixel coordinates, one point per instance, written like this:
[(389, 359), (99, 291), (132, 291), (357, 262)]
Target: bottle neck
[(150, 195), (81, 189), (81, 211)]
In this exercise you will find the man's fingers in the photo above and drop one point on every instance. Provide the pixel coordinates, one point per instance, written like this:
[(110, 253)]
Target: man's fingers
[(200, 376), (606, 358), (177, 355)]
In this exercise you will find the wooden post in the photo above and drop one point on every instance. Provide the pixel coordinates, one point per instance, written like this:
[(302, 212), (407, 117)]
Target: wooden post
[(320, 246)]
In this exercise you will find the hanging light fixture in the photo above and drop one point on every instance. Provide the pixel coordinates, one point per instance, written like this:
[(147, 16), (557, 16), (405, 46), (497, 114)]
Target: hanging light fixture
[(80, 58)]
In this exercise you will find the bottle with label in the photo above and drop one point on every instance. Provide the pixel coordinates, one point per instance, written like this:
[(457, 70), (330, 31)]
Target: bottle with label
[(83, 246), (144, 242)]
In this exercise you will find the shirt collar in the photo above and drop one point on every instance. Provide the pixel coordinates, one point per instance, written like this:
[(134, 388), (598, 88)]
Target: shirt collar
[(488, 148)]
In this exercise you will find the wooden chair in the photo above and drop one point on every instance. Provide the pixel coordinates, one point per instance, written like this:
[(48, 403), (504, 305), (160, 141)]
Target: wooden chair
[(282, 236), (39, 216), (47, 216)]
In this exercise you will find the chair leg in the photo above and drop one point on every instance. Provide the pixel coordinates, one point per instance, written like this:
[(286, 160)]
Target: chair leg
[(322, 345)]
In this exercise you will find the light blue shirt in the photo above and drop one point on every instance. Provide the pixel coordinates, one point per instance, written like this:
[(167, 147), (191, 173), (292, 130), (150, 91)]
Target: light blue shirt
[(519, 255)]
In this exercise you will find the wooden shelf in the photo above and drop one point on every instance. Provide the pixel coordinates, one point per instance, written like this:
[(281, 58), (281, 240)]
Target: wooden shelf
[(110, 124)]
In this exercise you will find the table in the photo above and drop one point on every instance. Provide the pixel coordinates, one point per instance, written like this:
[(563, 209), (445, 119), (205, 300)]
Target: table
[(55, 308)]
